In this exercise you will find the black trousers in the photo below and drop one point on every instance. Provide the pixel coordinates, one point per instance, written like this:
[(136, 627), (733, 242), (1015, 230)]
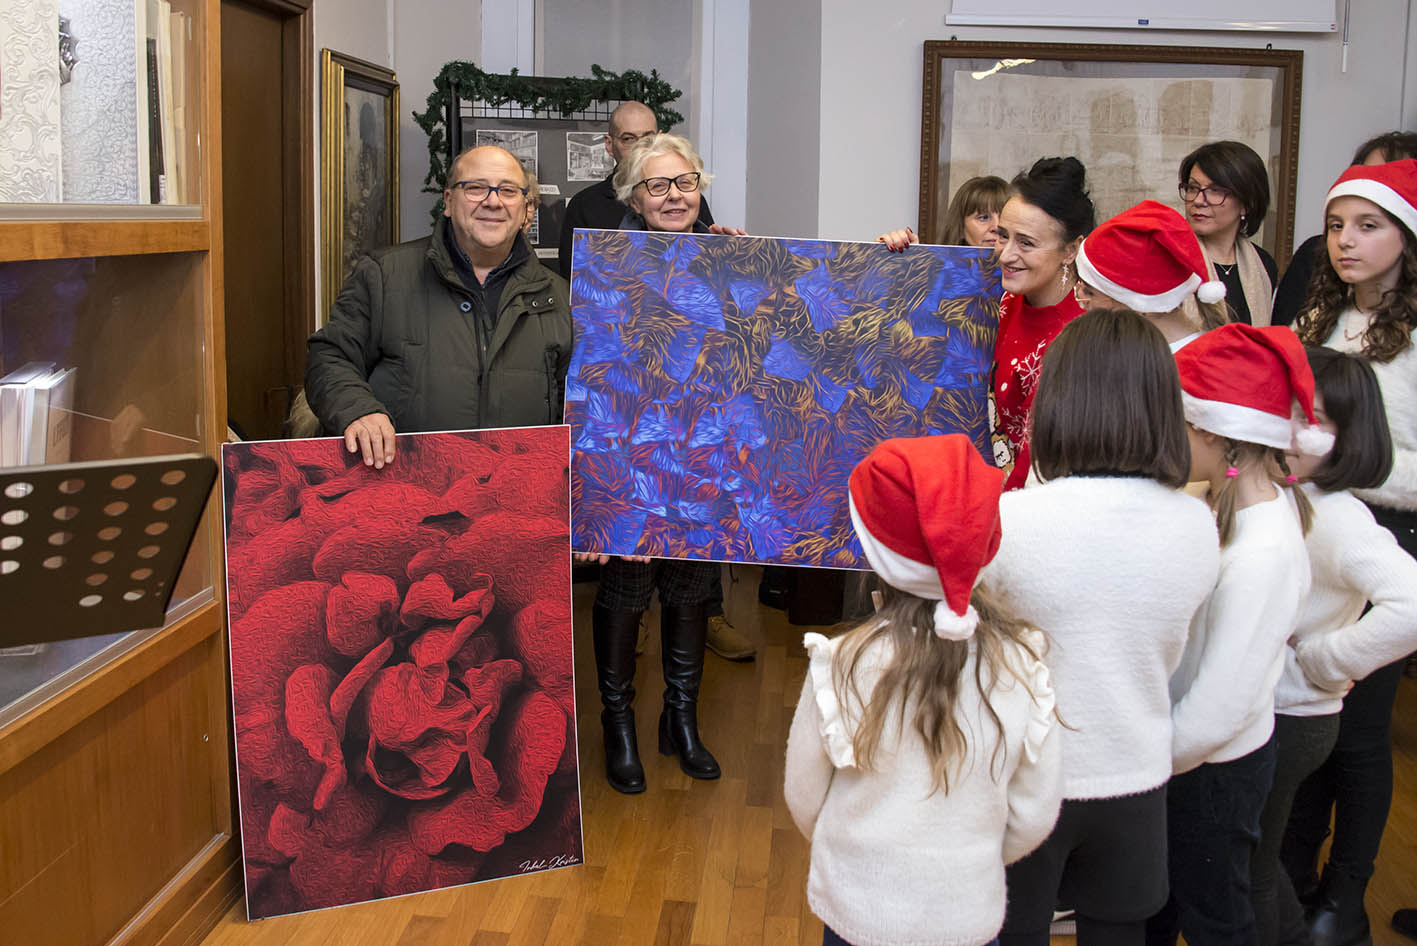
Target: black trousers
[(1355, 782), (1213, 829), (1106, 858), (626, 586), (1301, 743)]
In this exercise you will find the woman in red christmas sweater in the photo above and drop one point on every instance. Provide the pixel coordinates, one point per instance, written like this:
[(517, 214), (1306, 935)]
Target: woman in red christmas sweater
[(1040, 229)]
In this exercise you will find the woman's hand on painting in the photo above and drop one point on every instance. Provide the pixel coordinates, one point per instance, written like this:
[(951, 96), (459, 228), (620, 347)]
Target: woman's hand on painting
[(721, 230), (600, 558), (897, 240)]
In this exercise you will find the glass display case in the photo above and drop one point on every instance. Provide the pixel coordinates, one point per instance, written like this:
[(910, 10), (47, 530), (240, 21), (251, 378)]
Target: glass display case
[(110, 291), (101, 106), (130, 383)]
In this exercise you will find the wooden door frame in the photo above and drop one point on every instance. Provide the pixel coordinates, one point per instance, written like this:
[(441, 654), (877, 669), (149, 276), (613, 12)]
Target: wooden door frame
[(298, 186)]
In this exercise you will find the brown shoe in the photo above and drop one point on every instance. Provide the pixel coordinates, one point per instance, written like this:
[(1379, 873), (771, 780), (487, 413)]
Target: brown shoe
[(727, 641)]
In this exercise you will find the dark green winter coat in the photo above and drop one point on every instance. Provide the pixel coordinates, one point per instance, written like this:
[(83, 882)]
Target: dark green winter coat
[(407, 338)]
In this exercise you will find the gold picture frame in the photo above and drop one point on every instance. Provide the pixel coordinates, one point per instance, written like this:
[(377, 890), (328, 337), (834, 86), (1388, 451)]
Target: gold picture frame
[(1128, 112), (359, 165)]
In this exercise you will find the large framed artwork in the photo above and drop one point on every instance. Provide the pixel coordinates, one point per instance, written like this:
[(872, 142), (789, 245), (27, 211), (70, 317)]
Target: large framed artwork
[(723, 388), (401, 673), (359, 164), (1129, 113)]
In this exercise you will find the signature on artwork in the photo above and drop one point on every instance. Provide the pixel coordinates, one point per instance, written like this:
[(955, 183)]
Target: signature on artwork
[(548, 863)]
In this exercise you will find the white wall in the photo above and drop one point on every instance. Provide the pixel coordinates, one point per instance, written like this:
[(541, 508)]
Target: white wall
[(414, 38), (427, 34), (871, 61), (784, 117)]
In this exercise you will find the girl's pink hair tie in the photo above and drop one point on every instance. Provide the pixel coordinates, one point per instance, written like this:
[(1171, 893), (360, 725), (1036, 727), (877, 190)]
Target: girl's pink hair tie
[(1291, 479), (1231, 472)]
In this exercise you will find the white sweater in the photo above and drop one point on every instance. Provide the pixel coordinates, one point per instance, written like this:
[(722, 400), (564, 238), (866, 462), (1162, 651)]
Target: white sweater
[(893, 863), (1224, 689), (1111, 569), (1354, 560), (1398, 381)]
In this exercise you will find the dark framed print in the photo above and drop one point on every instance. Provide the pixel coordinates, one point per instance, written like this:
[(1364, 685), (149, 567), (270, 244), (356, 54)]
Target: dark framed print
[(1129, 113), (359, 164)]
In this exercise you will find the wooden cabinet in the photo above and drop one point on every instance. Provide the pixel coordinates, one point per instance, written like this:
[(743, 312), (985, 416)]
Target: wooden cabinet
[(116, 822)]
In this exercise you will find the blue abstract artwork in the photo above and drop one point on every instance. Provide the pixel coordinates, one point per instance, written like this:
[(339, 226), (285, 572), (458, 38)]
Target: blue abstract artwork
[(723, 388)]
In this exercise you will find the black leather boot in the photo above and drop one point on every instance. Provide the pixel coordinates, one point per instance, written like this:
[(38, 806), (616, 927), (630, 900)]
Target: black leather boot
[(682, 634), (614, 635), (1339, 918)]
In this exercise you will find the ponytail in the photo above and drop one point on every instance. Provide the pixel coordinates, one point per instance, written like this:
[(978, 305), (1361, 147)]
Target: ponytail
[(1242, 452), (1301, 498)]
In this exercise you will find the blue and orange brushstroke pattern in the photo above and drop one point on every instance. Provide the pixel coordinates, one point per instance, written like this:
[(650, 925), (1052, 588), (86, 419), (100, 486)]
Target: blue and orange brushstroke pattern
[(723, 388)]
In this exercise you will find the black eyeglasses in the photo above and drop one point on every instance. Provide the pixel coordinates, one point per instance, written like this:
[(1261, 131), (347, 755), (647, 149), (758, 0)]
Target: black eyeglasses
[(659, 186), (1214, 193), (477, 191)]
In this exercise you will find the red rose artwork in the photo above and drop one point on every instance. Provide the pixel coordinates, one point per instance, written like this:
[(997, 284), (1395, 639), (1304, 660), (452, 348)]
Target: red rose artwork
[(401, 664)]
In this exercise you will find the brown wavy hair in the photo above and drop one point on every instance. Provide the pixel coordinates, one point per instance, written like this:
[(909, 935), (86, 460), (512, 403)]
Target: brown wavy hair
[(978, 193), (1390, 332), (927, 671)]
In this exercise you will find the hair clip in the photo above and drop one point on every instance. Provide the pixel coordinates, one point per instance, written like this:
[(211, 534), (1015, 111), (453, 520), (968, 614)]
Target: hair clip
[(1291, 479), (1231, 472)]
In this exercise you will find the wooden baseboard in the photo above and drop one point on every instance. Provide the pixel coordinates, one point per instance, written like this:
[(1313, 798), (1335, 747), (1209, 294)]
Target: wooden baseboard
[(188, 908)]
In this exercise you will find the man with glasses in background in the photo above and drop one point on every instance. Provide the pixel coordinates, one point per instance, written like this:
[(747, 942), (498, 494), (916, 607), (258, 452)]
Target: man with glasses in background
[(595, 207), (460, 330)]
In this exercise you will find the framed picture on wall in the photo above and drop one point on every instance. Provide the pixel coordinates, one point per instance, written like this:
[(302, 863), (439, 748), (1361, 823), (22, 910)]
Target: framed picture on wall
[(359, 164), (565, 152), (1129, 113)]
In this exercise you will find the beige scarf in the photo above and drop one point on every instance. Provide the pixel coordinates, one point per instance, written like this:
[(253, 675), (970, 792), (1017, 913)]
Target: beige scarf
[(1254, 282)]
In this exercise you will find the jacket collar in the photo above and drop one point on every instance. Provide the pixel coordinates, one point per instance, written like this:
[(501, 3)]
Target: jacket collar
[(453, 265)]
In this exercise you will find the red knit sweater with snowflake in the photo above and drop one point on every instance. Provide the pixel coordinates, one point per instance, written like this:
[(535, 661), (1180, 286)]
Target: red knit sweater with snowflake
[(1025, 332)]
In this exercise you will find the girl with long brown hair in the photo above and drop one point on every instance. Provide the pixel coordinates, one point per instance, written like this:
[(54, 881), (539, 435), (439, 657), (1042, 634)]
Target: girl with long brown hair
[(924, 754), (1363, 301)]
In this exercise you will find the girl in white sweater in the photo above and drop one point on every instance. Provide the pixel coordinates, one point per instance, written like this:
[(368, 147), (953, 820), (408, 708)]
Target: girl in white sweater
[(1110, 560), (924, 753), (1363, 300), (1354, 561), (1239, 386)]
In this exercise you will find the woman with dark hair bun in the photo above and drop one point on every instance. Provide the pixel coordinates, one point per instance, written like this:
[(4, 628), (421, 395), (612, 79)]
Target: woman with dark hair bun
[(1224, 191), (1040, 230)]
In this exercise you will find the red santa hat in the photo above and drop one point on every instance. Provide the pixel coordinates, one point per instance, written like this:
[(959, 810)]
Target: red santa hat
[(1147, 259), (1241, 382), (927, 512), (1392, 186)]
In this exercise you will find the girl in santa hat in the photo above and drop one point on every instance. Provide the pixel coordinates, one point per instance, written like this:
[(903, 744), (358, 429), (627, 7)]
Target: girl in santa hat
[(1363, 300), (1239, 386), (1110, 560), (1147, 259), (924, 754), (1354, 561)]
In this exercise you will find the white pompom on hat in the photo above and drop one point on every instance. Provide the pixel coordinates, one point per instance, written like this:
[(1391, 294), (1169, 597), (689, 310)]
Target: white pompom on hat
[(1392, 186), (926, 510), (1243, 382), (1148, 259)]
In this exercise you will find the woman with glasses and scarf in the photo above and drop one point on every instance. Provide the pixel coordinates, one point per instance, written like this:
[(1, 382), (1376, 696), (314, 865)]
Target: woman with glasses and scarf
[(1224, 192), (660, 180)]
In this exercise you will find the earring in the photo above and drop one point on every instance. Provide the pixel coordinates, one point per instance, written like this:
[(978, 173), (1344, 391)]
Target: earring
[(1063, 276)]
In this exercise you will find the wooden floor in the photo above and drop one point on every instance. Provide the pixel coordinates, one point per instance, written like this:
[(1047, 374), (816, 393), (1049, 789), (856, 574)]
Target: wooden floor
[(712, 863)]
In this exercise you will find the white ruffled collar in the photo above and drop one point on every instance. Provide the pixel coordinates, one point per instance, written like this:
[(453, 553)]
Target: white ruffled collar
[(838, 727)]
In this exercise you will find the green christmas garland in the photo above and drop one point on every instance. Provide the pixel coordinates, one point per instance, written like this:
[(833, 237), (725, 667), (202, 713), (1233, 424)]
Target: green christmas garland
[(564, 96)]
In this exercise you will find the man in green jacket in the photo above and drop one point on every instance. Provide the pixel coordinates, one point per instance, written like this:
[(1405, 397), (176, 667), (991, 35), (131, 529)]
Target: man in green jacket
[(463, 329)]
